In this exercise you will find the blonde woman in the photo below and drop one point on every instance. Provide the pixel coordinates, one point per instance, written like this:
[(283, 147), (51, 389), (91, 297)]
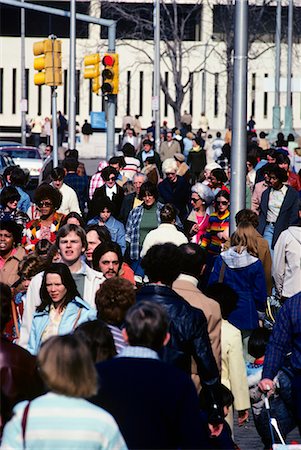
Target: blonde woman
[(240, 268)]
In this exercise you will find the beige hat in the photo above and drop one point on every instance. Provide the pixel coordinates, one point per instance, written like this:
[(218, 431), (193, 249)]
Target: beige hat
[(179, 157)]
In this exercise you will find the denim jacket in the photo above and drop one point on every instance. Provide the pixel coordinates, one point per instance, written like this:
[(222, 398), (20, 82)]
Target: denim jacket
[(116, 230), (41, 320)]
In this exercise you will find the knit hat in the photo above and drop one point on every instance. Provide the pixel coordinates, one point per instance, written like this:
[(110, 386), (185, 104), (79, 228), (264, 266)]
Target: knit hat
[(179, 157)]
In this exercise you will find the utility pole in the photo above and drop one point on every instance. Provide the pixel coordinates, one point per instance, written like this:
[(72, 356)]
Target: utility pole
[(276, 107), (72, 80), (288, 109), (156, 94), (23, 82), (239, 112)]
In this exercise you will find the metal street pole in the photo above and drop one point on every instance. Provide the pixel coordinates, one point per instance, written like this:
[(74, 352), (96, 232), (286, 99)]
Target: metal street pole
[(23, 81), (204, 80), (156, 94), (239, 112), (276, 107), (111, 103), (288, 109), (54, 125), (72, 79)]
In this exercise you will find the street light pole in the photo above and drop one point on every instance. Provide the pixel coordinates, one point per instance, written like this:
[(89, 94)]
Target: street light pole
[(23, 81), (276, 107), (156, 95), (239, 112), (72, 81), (288, 109)]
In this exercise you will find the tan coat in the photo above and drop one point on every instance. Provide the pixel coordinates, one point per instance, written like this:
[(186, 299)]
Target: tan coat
[(9, 272), (210, 308), (265, 257), (168, 151)]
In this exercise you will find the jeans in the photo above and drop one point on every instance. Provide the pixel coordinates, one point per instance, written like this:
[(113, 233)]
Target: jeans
[(268, 235)]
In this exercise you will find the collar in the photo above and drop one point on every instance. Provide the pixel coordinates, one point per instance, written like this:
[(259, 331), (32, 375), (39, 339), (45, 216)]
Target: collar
[(137, 352), (189, 278), (82, 270), (112, 189)]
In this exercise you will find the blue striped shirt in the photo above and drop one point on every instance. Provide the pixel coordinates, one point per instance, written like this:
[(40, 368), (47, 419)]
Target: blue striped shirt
[(59, 422)]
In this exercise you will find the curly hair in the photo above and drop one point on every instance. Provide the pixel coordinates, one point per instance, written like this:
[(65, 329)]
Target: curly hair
[(162, 263), (13, 228), (113, 299), (47, 192)]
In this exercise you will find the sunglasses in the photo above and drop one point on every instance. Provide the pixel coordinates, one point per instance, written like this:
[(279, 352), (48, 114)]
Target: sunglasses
[(112, 179), (223, 202), (194, 200), (46, 204)]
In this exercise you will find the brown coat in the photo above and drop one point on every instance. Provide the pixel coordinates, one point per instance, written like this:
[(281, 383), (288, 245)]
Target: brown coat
[(265, 257), (9, 272), (210, 308)]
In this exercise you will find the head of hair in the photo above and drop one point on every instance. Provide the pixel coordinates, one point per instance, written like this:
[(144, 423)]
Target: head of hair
[(68, 228), (148, 188), (128, 150), (247, 215), (271, 152), (193, 258), (244, 237), (67, 368), (9, 194), (116, 160), (169, 165), (42, 247), (150, 160), (104, 248), (258, 342), (29, 266), (7, 172), (104, 203), (70, 164), (146, 324), (224, 194), (107, 172), (98, 338), (162, 263), (114, 297), (141, 175), (73, 215), (12, 228), (67, 280), (71, 153), (168, 213), (252, 159), (262, 135), (18, 177), (58, 173), (198, 140), (102, 232), (147, 142), (279, 172), (226, 396), (225, 296), (290, 137), (220, 175), (282, 159), (47, 192), (218, 134), (5, 304), (52, 252), (204, 192)]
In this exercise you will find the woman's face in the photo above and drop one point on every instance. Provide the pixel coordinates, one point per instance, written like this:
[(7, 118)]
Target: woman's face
[(222, 204), (6, 242), (12, 204), (274, 182), (249, 166), (93, 241), (196, 201), (25, 284), (149, 199), (55, 288), (213, 181), (105, 214), (171, 176), (74, 221), (46, 207)]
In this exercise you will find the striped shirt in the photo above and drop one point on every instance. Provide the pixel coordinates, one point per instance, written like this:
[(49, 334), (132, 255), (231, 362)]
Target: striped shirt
[(217, 224), (59, 422)]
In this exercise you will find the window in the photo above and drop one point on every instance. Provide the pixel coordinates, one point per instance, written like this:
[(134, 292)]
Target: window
[(140, 93), (128, 93), (191, 94), (1, 91), (165, 98), (65, 91), (27, 87), (77, 86), (265, 100), (90, 97), (253, 94), (14, 87), (39, 100), (215, 94)]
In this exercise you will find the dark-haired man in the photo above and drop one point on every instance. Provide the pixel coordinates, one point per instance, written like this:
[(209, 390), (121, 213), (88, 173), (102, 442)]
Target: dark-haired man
[(79, 184), (69, 197), (107, 258), (45, 174)]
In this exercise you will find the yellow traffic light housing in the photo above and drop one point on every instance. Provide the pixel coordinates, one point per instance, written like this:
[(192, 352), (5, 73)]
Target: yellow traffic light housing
[(92, 70), (110, 74), (48, 63)]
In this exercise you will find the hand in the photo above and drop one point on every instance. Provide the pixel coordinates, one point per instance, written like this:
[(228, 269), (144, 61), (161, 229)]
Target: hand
[(215, 430), (194, 228), (267, 386), (243, 417)]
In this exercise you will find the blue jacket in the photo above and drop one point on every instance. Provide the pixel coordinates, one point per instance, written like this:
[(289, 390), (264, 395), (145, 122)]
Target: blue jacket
[(41, 320), (245, 275), (116, 230), (24, 202)]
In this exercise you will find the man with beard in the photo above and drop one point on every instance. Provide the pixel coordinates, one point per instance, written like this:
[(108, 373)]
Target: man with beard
[(107, 258)]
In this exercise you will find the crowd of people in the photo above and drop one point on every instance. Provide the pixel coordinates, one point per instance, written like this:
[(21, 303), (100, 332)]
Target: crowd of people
[(130, 317)]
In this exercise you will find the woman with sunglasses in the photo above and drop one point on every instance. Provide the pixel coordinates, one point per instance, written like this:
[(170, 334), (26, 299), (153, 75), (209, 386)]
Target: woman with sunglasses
[(218, 229), (9, 210), (197, 222), (48, 200)]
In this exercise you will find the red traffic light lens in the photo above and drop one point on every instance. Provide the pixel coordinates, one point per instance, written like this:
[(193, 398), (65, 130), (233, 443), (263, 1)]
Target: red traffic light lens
[(108, 60)]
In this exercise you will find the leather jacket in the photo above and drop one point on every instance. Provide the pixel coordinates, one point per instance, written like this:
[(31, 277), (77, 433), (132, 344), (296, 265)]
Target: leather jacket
[(189, 337)]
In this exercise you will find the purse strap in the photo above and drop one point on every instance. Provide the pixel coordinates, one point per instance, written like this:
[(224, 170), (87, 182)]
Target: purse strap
[(24, 423), (15, 319), (77, 319), (222, 272)]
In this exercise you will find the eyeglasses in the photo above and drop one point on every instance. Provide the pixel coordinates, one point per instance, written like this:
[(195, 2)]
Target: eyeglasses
[(194, 200), (46, 204), (170, 173), (112, 179), (223, 202)]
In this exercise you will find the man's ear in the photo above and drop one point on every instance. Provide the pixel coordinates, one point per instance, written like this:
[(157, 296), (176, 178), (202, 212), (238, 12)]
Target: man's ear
[(166, 339), (125, 335)]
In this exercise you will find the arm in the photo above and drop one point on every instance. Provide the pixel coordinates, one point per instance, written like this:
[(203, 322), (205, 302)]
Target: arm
[(260, 290), (279, 264), (121, 237), (32, 343), (74, 205), (12, 434)]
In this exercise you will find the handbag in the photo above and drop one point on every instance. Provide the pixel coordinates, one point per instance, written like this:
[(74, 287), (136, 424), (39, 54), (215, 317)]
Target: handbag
[(272, 308)]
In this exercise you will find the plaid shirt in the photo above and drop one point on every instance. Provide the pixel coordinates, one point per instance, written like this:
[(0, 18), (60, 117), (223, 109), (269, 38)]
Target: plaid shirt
[(286, 338), (80, 185), (96, 180), (132, 233)]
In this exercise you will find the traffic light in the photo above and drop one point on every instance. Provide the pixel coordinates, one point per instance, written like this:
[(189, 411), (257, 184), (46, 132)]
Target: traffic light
[(48, 63), (92, 70), (110, 74)]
